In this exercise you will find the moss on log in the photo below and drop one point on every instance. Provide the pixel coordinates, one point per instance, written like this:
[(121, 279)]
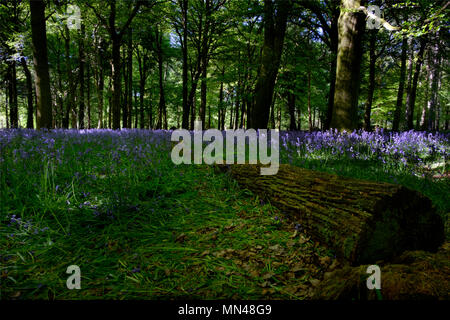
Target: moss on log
[(415, 275), (362, 221)]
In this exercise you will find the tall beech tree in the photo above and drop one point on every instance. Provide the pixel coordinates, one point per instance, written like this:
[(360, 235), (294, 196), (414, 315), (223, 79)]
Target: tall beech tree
[(40, 60), (275, 19), (351, 28)]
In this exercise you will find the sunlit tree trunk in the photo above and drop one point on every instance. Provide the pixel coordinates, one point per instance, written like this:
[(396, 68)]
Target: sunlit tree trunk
[(351, 28)]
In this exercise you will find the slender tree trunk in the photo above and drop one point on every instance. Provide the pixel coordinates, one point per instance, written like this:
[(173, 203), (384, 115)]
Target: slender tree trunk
[(71, 83), (184, 9), (100, 88), (334, 40), (162, 99), (434, 66), (422, 124), (373, 59), (410, 78), (275, 20), (40, 59), (401, 86), (351, 29), (88, 87), (130, 78), (13, 106), (412, 95), (291, 107), (238, 99), (221, 113), (309, 102), (135, 110), (6, 104), (204, 60), (116, 88), (81, 78), (29, 84)]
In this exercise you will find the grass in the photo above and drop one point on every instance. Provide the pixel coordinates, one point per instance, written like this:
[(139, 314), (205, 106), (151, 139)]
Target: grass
[(140, 227)]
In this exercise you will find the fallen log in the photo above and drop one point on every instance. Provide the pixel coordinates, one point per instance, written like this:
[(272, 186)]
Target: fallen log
[(362, 221)]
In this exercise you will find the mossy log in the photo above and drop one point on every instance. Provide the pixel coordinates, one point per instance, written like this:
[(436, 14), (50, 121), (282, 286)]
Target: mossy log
[(362, 221), (415, 275)]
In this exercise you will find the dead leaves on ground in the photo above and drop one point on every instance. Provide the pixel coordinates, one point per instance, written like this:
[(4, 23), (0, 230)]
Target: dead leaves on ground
[(290, 268)]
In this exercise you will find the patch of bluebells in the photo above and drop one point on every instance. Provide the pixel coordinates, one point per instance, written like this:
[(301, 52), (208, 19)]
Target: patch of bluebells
[(409, 150), (19, 224)]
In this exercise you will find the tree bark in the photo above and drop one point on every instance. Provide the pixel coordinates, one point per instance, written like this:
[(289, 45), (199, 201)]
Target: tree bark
[(162, 98), (409, 116), (291, 107), (40, 59), (184, 38), (275, 20), (81, 77), (130, 78), (432, 103), (401, 86), (351, 28), (12, 90), (361, 221), (29, 84), (220, 108), (372, 63)]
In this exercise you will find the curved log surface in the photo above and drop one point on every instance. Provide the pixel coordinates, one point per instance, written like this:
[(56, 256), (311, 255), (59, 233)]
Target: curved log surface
[(362, 221)]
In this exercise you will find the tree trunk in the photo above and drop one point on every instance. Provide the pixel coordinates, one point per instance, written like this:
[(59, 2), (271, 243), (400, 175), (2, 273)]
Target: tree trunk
[(309, 101), (40, 59), (275, 21), (361, 221), (88, 87), (351, 29), (12, 90), (184, 39), (70, 98), (204, 60), (29, 83), (81, 77), (401, 86), (422, 124), (432, 104), (100, 88), (220, 109), (291, 107), (373, 60), (334, 50), (412, 95), (162, 98), (6, 106), (130, 78)]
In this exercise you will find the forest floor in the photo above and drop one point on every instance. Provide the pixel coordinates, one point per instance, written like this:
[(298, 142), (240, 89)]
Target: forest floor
[(140, 227)]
